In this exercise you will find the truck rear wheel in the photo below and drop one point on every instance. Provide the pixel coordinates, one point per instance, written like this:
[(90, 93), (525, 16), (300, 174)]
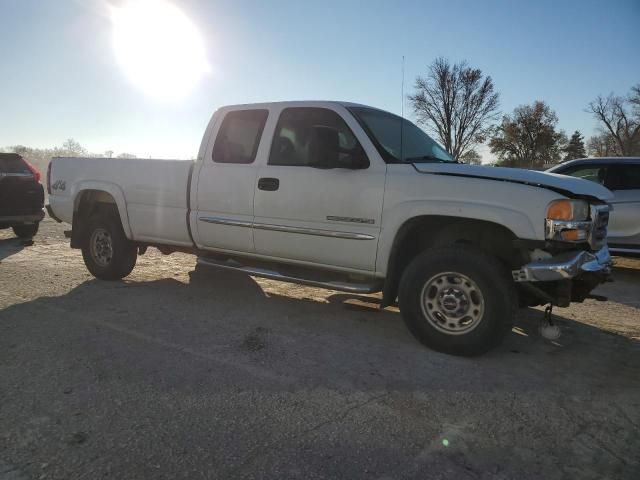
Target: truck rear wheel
[(26, 231), (457, 300), (106, 251)]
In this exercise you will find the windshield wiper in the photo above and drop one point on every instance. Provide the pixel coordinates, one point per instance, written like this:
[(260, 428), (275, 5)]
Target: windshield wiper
[(428, 159)]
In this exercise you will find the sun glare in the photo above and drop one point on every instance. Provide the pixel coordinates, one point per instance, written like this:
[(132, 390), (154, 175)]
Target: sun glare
[(158, 47)]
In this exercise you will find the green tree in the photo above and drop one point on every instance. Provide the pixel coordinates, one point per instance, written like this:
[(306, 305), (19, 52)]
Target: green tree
[(528, 137), (472, 157), (575, 147), (457, 103)]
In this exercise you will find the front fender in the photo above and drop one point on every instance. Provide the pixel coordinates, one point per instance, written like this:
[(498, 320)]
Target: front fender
[(393, 219)]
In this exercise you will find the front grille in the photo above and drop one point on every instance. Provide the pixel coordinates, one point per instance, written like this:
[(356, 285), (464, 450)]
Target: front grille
[(600, 221)]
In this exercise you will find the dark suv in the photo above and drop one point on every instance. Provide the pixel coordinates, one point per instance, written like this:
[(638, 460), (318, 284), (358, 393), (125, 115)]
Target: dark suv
[(21, 195)]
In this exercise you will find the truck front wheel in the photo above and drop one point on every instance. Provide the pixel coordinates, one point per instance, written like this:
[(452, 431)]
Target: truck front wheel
[(106, 251), (457, 300)]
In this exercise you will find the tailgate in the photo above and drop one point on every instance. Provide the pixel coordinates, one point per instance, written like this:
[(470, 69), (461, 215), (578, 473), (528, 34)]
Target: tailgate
[(20, 194)]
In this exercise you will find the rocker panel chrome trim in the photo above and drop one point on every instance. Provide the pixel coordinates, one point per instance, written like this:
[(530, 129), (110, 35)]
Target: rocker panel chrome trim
[(226, 221), (287, 229)]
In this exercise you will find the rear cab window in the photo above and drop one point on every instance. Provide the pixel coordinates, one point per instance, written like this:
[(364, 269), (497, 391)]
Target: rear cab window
[(612, 176), (594, 173), (623, 177), (239, 136)]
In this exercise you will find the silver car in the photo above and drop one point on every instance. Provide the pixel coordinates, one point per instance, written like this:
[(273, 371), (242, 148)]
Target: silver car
[(621, 175)]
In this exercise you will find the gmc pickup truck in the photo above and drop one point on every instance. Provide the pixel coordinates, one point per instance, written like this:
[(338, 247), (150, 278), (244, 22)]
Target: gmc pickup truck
[(352, 198)]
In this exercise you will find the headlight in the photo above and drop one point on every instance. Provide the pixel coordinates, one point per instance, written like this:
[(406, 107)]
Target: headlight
[(567, 221), (568, 210)]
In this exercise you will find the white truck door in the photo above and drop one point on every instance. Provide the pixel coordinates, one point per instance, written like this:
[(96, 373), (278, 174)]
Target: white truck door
[(624, 222), (223, 214), (318, 197)]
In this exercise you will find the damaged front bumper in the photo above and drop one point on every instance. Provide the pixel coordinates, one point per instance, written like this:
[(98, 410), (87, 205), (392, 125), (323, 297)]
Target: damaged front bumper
[(565, 266)]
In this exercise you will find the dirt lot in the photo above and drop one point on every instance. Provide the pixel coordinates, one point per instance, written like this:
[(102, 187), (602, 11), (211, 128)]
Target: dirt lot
[(185, 373)]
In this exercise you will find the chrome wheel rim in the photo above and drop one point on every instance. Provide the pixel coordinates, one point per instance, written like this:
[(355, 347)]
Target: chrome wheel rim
[(101, 246), (452, 303)]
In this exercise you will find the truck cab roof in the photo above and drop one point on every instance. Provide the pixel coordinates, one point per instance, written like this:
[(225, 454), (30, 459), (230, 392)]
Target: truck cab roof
[(297, 103)]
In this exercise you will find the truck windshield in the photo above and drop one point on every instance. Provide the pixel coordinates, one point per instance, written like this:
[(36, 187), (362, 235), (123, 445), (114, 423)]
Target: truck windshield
[(384, 130)]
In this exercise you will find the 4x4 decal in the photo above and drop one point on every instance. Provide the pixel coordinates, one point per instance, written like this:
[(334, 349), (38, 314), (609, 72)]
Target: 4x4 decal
[(59, 185)]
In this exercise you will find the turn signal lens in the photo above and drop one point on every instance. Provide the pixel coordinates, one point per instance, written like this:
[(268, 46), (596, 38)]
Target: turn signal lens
[(568, 210), (573, 235), (560, 210)]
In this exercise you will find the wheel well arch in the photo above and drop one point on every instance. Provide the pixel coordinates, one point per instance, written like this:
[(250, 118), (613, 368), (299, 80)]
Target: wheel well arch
[(88, 202), (427, 231)]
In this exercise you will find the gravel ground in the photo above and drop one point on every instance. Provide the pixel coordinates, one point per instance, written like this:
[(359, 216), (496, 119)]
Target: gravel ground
[(179, 372)]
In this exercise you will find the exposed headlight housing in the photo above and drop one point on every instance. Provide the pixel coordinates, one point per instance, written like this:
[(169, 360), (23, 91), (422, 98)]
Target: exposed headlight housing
[(567, 221), (568, 210)]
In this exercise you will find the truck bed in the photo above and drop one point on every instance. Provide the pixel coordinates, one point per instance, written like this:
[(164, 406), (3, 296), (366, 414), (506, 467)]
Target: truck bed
[(154, 193)]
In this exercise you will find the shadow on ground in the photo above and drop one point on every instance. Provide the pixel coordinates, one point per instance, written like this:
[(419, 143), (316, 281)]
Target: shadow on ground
[(11, 246), (626, 274), (337, 340), (229, 377)]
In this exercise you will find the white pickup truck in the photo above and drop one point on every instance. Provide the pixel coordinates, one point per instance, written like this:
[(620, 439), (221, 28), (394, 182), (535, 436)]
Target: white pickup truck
[(351, 198)]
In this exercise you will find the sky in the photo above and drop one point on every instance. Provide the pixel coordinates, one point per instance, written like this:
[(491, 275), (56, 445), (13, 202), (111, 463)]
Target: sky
[(61, 76)]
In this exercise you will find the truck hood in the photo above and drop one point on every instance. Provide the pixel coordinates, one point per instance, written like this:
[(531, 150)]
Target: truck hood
[(566, 185)]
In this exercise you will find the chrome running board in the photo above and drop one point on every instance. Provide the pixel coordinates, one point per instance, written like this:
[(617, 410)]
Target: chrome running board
[(343, 286)]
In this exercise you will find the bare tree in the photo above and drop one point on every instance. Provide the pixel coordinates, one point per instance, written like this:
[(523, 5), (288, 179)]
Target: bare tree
[(634, 99), (456, 103), (40, 157), (72, 148), (620, 118), (603, 145)]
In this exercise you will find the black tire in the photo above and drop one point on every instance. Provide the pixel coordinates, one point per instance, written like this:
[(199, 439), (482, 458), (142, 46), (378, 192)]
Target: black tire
[(106, 263), (26, 231), (491, 291)]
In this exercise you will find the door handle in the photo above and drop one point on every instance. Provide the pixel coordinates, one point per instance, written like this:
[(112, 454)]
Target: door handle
[(269, 184)]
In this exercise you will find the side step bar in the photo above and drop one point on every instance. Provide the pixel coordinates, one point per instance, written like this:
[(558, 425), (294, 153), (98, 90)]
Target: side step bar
[(343, 286)]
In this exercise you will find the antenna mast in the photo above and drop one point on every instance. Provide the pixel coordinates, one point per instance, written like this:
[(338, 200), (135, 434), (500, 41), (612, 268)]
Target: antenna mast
[(402, 115)]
